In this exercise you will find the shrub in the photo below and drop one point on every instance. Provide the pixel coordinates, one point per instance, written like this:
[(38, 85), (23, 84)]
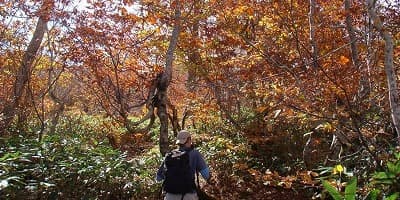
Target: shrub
[(75, 162)]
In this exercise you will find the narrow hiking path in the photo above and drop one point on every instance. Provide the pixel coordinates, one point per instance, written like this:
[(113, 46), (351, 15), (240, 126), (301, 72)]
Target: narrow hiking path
[(252, 191), (232, 179)]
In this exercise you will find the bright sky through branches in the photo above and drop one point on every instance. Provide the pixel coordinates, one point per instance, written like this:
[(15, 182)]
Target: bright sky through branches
[(84, 5)]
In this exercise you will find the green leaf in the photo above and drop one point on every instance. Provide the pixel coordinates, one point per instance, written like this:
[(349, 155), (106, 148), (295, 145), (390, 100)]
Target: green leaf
[(332, 190), (391, 167), (393, 196), (373, 195), (397, 155), (350, 190), (380, 175), (10, 156), (397, 168)]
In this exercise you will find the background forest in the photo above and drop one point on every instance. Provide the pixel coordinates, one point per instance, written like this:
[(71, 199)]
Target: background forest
[(285, 98)]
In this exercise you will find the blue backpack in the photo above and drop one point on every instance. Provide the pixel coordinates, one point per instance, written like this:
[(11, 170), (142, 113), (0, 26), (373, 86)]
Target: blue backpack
[(178, 176)]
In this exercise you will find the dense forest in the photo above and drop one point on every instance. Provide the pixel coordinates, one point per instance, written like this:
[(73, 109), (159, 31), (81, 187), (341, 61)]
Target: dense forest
[(286, 99)]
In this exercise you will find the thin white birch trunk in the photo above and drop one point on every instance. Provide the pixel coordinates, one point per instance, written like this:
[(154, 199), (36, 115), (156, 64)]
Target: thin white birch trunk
[(389, 68)]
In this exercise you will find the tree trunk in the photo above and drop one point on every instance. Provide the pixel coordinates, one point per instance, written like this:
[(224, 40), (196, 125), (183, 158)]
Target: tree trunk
[(364, 84), (163, 83), (194, 56), (389, 68), (25, 70), (352, 34), (174, 119), (314, 49)]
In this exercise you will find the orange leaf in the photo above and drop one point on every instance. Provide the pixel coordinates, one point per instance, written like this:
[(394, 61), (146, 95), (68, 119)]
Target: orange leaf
[(261, 109), (343, 60), (152, 20)]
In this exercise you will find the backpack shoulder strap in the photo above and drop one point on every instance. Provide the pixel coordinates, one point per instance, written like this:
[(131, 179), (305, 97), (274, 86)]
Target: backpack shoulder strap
[(198, 180), (176, 153)]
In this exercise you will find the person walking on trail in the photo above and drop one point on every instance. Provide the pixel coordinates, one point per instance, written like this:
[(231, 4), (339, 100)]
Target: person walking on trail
[(179, 168)]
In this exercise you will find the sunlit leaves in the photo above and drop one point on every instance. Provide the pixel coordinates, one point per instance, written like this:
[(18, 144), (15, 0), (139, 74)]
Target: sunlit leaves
[(343, 60)]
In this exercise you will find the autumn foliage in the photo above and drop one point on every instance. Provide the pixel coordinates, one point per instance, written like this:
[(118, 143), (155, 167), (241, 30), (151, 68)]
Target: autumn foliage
[(297, 85)]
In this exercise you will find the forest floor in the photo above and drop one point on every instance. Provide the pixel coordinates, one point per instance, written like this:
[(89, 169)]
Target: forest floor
[(258, 192), (245, 185)]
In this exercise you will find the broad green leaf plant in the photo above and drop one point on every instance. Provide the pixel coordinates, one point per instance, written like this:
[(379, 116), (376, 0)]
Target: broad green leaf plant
[(387, 183), (350, 187), (349, 193)]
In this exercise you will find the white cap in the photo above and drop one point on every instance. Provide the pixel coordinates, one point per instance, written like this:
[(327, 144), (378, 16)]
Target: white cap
[(182, 137)]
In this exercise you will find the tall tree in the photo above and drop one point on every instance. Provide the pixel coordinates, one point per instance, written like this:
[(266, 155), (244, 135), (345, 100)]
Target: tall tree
[(164, 80), (25, 69), (364, 85), (389, 67)]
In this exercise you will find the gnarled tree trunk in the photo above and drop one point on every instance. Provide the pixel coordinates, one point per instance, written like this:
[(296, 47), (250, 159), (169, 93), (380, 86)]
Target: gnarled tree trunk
[(163, 82)]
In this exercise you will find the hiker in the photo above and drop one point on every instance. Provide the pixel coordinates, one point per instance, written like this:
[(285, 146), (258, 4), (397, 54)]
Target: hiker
[(179, 168)]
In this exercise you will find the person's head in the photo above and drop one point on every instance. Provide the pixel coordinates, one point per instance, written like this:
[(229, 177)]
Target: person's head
[(184, 138)]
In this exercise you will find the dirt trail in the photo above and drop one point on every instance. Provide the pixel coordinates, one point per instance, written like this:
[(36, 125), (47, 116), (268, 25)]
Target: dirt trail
[(256, 192)]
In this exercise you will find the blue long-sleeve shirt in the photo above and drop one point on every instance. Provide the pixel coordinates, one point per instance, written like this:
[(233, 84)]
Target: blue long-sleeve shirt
[(196, 162)]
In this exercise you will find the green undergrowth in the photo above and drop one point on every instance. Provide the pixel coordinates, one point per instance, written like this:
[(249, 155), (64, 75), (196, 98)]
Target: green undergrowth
[(75, 162), (78, 162), (64, 168)]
